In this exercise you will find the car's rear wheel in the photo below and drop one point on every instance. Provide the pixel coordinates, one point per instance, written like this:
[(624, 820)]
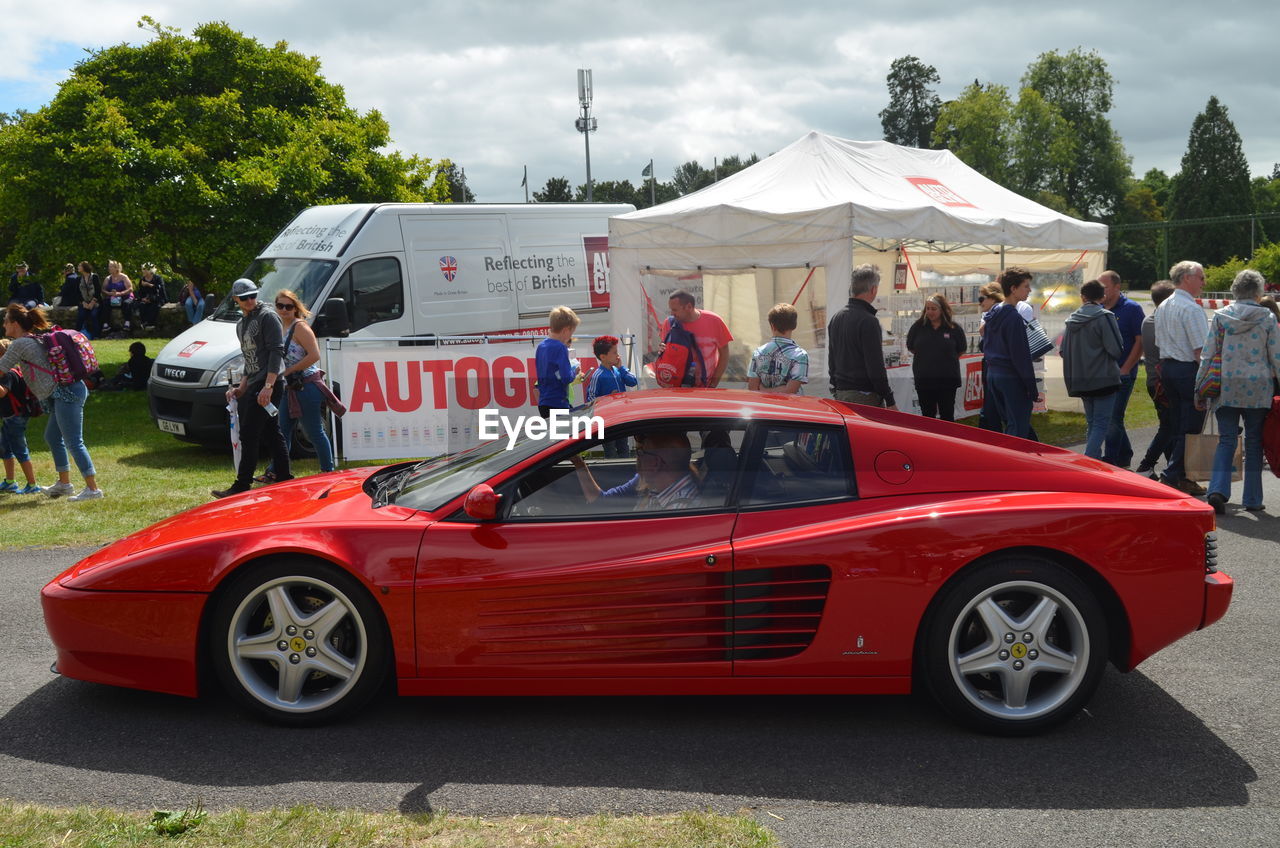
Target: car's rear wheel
[(299, 642), (1015, 646)]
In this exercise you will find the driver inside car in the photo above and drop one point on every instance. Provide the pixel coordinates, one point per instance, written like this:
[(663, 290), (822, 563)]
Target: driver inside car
[(665, 478)]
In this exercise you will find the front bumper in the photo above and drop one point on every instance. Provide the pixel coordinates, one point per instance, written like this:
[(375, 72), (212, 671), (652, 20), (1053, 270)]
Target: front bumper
[(140, 640), (202, 412)]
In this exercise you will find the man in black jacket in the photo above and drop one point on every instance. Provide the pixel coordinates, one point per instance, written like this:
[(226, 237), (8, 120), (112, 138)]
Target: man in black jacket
[(856, 355), (260, 391)]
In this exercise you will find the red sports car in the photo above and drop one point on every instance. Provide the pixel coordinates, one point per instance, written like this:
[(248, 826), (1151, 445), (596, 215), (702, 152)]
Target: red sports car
[(711, 542)]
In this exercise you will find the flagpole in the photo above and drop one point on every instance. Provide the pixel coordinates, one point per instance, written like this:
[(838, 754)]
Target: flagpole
[(525, 183), (653, 200)]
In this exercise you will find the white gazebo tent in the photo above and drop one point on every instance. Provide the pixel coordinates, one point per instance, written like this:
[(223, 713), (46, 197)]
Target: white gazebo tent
[(827, 203)]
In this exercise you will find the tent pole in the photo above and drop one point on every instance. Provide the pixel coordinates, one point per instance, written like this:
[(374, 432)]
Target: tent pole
[(1002, 258)]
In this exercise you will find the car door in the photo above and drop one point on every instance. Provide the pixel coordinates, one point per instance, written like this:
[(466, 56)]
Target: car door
[(558, 586), (793, 553)]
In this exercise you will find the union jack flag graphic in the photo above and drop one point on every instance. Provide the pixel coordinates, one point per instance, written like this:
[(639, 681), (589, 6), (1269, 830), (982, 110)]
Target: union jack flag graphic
[(448, 267)]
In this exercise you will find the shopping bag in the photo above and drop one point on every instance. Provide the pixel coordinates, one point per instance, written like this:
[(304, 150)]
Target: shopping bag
[(1197, 458)]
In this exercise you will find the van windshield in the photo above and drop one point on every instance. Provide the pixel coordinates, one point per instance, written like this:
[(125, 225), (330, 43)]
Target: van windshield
[(306, 277)]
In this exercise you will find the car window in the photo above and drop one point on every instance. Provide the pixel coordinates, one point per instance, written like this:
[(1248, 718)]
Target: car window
[(372, 290), (640, 472), (797, 464), (434, 482)]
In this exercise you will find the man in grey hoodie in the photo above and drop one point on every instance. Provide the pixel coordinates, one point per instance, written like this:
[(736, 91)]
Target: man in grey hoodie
[(1091, 347)]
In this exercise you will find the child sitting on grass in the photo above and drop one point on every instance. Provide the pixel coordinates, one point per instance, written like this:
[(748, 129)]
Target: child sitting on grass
[(13, 431)]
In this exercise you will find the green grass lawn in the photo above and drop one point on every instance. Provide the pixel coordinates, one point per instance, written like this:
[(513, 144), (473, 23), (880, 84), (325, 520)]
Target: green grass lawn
[(306, 827), (148, 475)]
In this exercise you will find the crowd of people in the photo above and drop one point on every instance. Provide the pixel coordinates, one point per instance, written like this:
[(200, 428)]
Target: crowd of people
[(106, 305), (29, 389), (1230, 363)]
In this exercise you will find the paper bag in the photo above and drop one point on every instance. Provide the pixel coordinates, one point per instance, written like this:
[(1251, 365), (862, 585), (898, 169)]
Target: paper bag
[(1197, 459)]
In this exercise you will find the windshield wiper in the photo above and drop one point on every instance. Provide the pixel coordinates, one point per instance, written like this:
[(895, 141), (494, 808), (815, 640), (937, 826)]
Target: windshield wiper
[(389, 486)]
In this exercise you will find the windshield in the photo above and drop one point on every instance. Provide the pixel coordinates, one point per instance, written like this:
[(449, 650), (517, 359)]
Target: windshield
[(435, 482), (304, 277)]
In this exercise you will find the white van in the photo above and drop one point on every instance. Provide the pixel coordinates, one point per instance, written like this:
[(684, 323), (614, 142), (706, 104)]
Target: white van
[(398, 269)]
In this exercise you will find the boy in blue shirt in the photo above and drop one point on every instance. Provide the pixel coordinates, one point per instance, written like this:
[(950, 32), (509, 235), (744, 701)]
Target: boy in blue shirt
[(612, 376), (780, 365), (555, 372)]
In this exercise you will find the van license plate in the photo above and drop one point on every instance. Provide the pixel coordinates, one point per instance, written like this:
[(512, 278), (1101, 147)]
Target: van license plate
[(175, 427)]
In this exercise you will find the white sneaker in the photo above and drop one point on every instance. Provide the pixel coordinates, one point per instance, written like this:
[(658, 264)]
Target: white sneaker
[(87, 494), (57, 490)]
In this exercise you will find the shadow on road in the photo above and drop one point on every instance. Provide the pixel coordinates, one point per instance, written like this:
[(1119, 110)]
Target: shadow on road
[(1135, 748)]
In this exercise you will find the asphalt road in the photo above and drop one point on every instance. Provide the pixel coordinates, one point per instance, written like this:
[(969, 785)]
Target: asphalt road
[(1182, 752)]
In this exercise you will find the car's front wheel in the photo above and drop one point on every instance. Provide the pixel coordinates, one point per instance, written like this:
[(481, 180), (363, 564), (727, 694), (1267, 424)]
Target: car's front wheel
[(1015, 646), (299, 642)]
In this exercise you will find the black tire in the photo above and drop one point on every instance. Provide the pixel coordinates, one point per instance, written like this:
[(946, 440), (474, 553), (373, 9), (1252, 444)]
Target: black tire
[(333, 639), (1041, 664)]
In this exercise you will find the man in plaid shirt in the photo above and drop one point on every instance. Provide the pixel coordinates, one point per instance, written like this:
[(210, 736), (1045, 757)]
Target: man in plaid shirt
[(779, 365)]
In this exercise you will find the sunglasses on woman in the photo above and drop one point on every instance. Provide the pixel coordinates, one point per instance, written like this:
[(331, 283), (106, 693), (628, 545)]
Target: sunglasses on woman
[(285, 307)]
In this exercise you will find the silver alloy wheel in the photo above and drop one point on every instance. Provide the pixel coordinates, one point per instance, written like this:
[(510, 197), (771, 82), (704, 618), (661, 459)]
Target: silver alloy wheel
[(1018, 650), (297, 644)]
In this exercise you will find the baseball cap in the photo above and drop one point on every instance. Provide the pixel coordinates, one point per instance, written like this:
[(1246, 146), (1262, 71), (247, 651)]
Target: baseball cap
[(243, 288)]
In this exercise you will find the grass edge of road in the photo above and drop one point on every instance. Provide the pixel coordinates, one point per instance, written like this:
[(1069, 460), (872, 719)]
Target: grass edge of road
[(308, 826)]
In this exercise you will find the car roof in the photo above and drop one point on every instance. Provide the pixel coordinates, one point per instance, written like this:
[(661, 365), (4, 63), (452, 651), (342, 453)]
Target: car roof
[(649, 405)]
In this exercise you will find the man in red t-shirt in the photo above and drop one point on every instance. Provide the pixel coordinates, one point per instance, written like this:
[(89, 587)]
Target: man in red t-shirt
[(710, 331)]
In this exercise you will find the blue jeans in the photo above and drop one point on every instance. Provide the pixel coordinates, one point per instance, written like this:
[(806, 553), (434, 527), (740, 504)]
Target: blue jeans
[(1179, 381), (311, 406), (1118, 450), (1012, 401), (65, 430), (195, 310), (1097, 416), (989, 415), (87, 321), (1160, 442), (13, 438), (1228, 432)]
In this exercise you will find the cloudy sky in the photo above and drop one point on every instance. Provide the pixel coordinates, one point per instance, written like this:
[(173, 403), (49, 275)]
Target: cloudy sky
[(492, 83)]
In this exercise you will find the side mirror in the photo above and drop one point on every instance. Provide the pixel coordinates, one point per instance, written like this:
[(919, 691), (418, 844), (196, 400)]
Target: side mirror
[(481, 502), (333, 320)]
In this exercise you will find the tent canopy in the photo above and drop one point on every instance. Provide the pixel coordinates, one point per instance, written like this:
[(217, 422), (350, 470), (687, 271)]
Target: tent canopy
[(822, 188), (825, 202)]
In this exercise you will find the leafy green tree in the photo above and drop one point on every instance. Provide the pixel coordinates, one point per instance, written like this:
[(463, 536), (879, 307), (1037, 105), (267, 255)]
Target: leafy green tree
[(1043, 147), (728, 165), (691, 177), (609, 191), (1136, 254), (976, 127), (192, 152), (1079, 86), (913, 107), (459, 191), (555, 191), (1213, 182), (1160, 184)]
